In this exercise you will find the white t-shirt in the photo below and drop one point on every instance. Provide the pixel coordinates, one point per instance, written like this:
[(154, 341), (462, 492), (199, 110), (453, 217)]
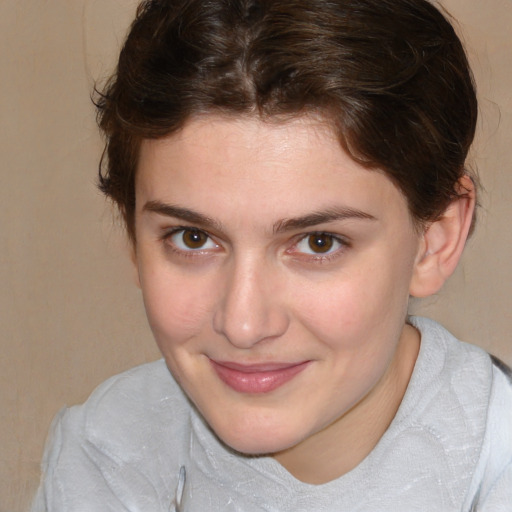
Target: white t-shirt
[(138, 445)]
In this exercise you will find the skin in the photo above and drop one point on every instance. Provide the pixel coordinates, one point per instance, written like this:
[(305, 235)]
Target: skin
[(252, 286)]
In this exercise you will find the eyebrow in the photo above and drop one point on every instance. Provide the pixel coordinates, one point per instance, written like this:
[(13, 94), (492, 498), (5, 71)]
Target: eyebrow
[(281, 226), (321, 217), (179, 212)]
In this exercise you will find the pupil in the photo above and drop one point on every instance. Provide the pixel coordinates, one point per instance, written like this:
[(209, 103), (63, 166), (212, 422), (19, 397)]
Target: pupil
[(320, 243), (194, 239)]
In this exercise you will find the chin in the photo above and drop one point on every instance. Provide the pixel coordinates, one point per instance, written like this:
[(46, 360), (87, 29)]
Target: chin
[(256, 446), (256, 440)]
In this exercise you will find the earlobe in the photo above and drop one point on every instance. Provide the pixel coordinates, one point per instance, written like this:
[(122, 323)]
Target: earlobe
[(443, 242)]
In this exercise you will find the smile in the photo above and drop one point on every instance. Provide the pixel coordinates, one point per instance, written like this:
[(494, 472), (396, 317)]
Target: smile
[(259, 378)]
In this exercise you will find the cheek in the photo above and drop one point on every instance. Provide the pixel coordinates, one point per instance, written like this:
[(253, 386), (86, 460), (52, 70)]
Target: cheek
[(356, 310), (177, 307), (338, 317)]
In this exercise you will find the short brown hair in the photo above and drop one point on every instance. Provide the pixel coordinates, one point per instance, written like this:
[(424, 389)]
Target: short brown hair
[(391, 76)]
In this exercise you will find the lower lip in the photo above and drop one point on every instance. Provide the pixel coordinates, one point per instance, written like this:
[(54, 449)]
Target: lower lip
[(257, 380)]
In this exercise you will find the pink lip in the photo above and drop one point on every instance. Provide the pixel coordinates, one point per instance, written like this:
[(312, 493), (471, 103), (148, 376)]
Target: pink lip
[(256, 378)]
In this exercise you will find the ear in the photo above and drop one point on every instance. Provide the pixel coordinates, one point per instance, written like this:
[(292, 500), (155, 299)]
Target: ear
[(443, 241)]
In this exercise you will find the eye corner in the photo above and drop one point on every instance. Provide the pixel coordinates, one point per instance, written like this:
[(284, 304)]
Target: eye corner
[(189, 241)]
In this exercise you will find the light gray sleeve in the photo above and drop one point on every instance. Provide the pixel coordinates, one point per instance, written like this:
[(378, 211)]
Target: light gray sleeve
[(499, 497), (42, 501), (119, 450), (71, 480)]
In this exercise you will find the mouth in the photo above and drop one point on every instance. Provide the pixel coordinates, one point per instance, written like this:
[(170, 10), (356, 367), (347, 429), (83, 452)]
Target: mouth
[(257, 378)]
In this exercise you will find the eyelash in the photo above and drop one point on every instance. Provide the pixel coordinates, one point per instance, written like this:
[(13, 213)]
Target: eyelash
[(190, 253), (342, 242)]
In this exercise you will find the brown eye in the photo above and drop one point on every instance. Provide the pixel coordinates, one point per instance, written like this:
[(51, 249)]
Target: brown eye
[(319, 247), (194, 239), (320, 242), (191, 239)]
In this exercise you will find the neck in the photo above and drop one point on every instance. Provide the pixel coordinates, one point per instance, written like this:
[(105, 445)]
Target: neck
[(342, 445)]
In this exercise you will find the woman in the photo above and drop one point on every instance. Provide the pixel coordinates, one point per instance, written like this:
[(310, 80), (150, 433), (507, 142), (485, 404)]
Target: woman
[(290, 173)]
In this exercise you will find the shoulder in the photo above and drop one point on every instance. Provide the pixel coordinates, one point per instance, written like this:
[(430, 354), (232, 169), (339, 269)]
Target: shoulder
[(462, 366), (132, 410), (119, 445), (491, 484), (465, 404), (463, 378)]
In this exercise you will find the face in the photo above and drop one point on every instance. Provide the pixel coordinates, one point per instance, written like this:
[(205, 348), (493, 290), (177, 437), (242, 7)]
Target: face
[(275, 273)]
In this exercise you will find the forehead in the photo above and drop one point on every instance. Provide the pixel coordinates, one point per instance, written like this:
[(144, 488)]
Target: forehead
[(247, 163), (224, 139)]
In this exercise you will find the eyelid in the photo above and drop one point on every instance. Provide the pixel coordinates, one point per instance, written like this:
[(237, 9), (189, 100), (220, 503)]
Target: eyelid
[(169, 233)]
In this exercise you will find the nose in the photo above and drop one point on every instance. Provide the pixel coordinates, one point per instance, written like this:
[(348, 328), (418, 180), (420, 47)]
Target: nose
[(250, 309)]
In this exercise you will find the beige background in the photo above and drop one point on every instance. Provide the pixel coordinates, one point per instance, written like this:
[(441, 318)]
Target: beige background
[(70, 313)]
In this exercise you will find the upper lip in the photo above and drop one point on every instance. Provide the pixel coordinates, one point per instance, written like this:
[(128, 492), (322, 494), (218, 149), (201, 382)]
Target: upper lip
[(257, 367)]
